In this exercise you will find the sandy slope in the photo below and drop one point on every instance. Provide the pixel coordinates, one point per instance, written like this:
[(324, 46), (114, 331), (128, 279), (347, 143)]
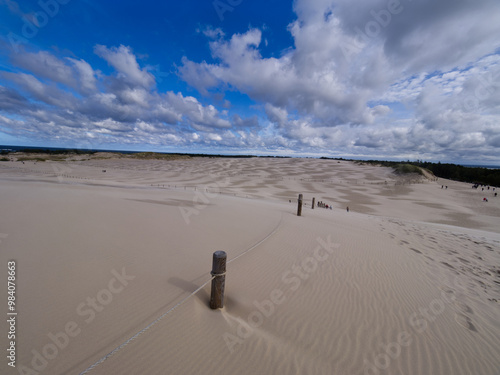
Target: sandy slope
[(407, 282)]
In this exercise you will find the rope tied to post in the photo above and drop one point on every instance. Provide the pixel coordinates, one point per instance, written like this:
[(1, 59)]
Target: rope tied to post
[(90, 368), (157, 320), (217, 274)]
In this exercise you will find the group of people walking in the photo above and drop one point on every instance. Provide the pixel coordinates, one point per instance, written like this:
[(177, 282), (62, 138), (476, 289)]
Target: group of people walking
[(476, 186), (327, 206), (324, 205)]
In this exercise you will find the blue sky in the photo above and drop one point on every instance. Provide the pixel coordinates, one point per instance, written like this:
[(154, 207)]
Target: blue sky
[(388, 79)]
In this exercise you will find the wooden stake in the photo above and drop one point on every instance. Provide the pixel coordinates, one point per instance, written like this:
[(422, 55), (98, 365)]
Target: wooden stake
[(299, 206), (314, 199), (219, 281)]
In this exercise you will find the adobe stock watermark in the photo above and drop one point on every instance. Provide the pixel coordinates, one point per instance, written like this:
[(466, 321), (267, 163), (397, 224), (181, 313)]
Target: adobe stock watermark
[(420, 322), (48, 9), (292, 278), (380, 19), (201, 199), (89, 309), (223, 6), (488, 85)]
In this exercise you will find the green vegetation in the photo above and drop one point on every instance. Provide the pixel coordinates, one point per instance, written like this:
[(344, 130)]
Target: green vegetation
[(31, 158), (4, 159), (57, 152), (130, 154), (407, 168), (45, 158), (483, 176), (156, 156)]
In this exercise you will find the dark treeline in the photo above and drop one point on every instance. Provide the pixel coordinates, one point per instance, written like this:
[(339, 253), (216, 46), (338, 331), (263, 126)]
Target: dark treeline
[(475, 175), (455, 172), (49, 151), (57, 151)]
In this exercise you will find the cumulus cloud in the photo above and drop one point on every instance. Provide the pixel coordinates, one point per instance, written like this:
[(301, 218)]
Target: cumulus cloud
[(123, 107), (73, 73), (245, 123), (212, 33), (125, 63), (396, 76), (87, 81), (12, 101), (44, 64), (390, 78), (314, 78), (46, 93), (276, 115)]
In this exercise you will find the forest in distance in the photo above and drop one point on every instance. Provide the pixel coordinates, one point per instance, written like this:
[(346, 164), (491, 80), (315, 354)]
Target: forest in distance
[(456, 172)]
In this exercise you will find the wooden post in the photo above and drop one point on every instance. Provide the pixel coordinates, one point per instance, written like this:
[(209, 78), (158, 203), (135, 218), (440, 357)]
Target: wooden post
[(299, 206), (219, 281), (314, 199)]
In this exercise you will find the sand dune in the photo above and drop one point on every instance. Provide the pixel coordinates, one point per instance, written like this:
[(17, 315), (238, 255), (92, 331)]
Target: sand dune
[(407, 282)]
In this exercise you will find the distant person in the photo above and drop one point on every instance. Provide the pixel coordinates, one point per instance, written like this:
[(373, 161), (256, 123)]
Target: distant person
[(446, 186), (442, 186), (495, 194), (347, 208)]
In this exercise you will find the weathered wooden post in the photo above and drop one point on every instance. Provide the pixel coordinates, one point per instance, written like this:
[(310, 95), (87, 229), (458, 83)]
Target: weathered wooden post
[(314, 199), (299, 206), (219, 280)]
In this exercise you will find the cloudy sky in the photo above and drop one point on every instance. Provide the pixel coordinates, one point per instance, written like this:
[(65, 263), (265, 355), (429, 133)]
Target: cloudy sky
[(385, 79)]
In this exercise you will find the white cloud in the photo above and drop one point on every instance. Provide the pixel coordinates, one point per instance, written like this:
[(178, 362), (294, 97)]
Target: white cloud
[(44, 64), (87, 76), (123, 107), (385, 77), (276, 115), (312, 79), (212, 33), (418, 77), (125, 63)]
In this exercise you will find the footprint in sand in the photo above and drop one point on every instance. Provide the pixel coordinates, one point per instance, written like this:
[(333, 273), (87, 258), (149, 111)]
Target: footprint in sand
[(450, 266), (463, 307), (465, 322), (463, 260)]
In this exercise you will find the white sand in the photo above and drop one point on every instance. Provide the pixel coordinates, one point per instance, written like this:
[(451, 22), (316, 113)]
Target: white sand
[(407, 282)]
